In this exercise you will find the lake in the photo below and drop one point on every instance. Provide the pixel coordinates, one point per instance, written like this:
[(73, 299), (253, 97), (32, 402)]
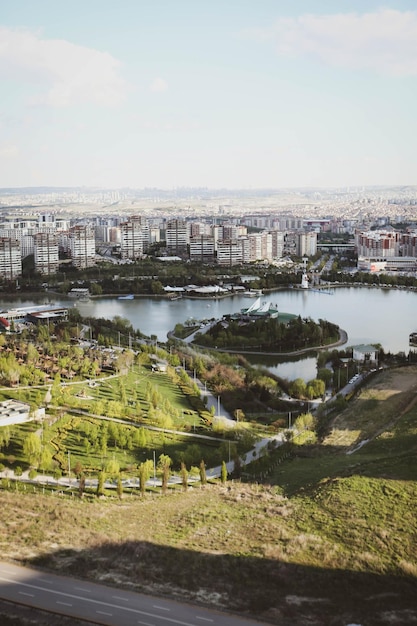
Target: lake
[(368, 315)]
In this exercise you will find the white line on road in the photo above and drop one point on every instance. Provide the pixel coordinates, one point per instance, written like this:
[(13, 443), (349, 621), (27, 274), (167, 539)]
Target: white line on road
[(64, 603), (82, 589), (104, 613), (23, 593), (145, 623), (161, 608), (100, 602), (205, 619), (121, 598)]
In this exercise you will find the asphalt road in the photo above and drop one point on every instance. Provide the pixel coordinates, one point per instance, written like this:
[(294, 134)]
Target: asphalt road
[(100, 604)]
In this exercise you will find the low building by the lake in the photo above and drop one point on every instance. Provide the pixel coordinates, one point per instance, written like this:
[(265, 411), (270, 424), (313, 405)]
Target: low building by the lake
[(14, 412)]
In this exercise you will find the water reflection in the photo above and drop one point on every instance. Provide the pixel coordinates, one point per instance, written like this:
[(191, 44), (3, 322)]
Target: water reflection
[(287, 367)]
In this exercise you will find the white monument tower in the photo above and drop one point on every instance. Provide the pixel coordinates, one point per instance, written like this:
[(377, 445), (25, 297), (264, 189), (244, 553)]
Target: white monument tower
[(304, 278)]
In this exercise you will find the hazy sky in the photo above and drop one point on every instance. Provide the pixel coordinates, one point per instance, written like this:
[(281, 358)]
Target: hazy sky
[(212, 93)]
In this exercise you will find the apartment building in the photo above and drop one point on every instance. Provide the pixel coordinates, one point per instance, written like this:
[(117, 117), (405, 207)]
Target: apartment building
[(233, 251), (233, 231), (202, 248), (378, 243), (277, 242), (177, 236), (10, 258), (306, 244), (82, 245), (46, 253), (408, 244), (260, 246), (134, 238)]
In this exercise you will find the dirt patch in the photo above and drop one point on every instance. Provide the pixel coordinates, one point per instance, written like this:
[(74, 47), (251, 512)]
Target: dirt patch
[(380, 403)]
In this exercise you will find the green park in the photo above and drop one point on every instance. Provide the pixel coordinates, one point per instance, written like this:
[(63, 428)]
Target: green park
[(327, 505)]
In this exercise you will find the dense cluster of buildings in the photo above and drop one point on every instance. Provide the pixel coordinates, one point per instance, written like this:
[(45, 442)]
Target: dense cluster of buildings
[(54, 240), (387, 250)]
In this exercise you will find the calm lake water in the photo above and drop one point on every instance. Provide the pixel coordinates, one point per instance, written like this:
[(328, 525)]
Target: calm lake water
[(368, 315)]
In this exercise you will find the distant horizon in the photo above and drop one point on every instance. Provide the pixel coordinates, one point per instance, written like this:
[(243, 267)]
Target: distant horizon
[(204, 188)]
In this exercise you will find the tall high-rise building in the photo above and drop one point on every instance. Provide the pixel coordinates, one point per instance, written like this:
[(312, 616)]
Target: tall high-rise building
[(260, 245), (306, 244), (177, 236), (233, 251), (134, 238), (10, 258), (46, 253), (82, 245), (202, 248), (277, 237)]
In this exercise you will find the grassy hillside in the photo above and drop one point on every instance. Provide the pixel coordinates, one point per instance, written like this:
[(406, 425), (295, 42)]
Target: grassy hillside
[(331, 540)]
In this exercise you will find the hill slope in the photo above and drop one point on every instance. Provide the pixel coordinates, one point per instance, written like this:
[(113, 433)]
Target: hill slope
[(334, 541)]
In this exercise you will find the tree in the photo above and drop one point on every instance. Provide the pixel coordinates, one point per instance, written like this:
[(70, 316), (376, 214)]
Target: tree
[(164, 465), (119, 487), (157, 287), (100, 483), (95, 289), (113, 467), (203, 475), (81, 485), (45, 459), (298, 388), (32, 448), (305, 421), (315, 388), (5, 435), (145, 471), (223, 473), (184, 476)]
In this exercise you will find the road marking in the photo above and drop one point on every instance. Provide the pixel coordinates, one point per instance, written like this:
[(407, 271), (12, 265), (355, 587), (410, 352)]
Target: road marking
[(121, 598), (64, 603), (161, 608), (82, 589), (205, 619), (104, 613), (93, 601), (23, 593), (145, 623)]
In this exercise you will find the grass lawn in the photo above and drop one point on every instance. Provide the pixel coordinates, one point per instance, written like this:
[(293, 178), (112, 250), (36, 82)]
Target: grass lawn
[(331, 540)]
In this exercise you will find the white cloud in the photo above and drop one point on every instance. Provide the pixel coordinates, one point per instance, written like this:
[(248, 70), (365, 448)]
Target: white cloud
[(384, 41), (158, 85), (64, 73)]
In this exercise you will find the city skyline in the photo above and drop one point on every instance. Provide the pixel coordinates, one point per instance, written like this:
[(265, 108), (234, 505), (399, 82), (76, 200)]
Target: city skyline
[(208, 94)]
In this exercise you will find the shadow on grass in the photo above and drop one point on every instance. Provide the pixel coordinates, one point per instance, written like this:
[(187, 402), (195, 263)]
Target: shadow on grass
[(267, 589)]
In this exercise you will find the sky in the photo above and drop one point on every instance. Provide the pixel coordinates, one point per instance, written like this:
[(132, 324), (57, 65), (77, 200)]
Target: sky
[(234, 94)]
